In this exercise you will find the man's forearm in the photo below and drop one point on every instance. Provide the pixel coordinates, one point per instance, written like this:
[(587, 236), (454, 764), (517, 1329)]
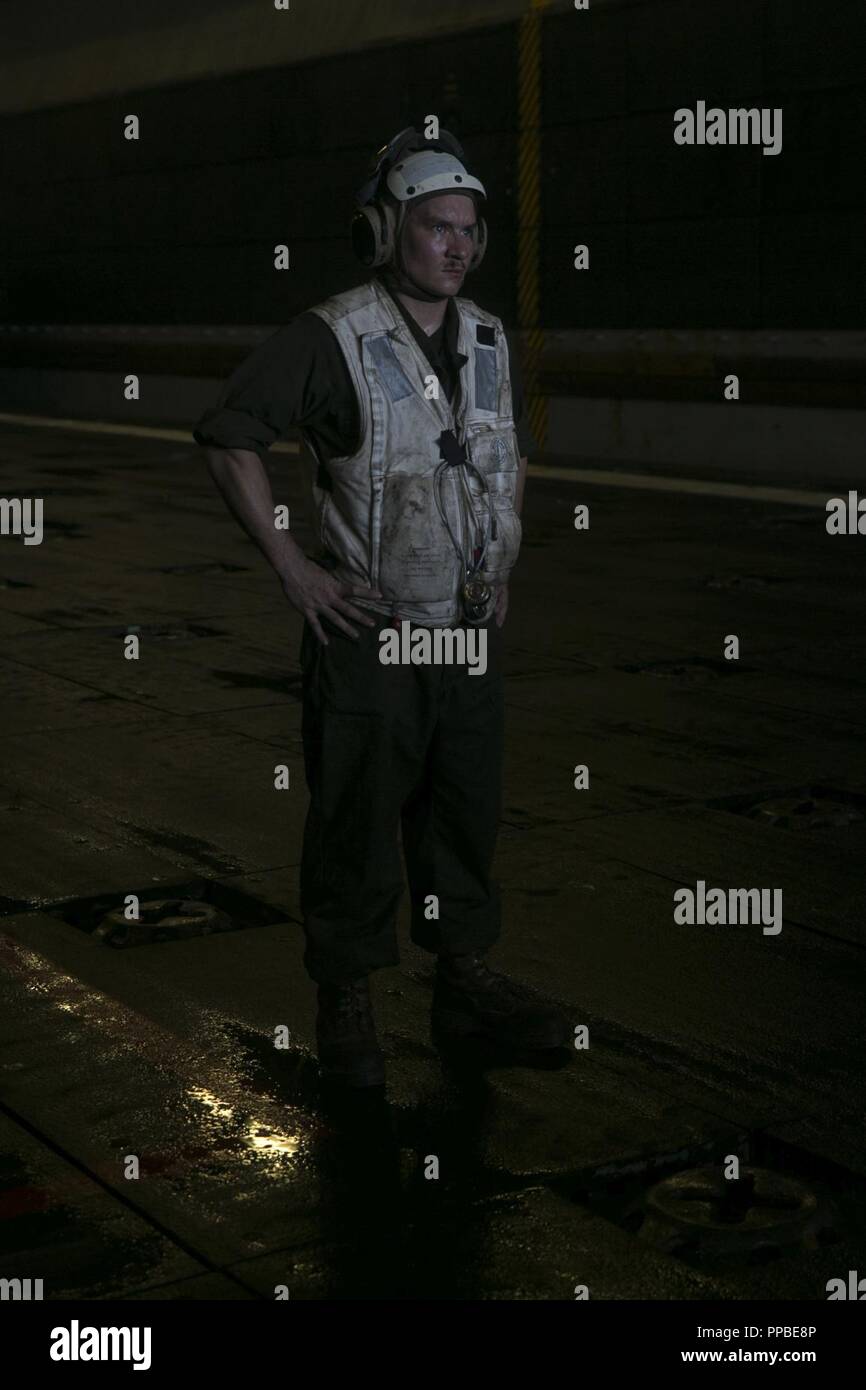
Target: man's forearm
[(242, 479)]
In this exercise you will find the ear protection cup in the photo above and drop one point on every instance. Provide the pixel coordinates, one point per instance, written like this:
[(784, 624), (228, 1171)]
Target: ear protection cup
[(480, 244), (373, 235)]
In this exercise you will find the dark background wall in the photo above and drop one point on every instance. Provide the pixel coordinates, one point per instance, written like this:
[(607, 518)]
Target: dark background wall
[(179, 227), (705, 237)]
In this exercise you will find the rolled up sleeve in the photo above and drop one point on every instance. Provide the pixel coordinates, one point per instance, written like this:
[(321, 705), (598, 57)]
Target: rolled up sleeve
[(225, 428), (282, 383)]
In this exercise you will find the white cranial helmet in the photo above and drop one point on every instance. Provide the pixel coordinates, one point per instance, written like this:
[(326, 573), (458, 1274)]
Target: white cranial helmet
[(430, 171)]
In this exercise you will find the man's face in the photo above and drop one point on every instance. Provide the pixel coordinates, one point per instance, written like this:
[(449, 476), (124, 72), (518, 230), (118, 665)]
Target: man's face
[(437, 242)]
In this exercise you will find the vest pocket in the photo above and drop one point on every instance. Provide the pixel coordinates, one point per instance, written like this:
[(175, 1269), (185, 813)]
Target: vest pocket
[(417, 559), (493, 451), (505, 537)]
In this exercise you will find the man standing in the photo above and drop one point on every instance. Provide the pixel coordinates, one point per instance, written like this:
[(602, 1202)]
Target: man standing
[(404, 394)]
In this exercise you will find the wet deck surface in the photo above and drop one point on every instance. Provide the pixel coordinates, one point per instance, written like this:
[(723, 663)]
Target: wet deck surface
[(704, 1041)]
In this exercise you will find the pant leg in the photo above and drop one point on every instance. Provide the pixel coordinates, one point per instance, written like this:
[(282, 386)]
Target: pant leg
[(366, 729), (451, 821)]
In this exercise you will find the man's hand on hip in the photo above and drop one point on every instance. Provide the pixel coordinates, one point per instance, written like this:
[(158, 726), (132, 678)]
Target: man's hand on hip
[(315, 593)]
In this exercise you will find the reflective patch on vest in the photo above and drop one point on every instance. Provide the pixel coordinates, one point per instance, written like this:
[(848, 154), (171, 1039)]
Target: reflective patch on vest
[(389, 369), (486, 395)]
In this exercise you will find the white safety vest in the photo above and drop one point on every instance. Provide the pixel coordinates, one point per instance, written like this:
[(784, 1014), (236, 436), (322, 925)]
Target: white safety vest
[(380, 519)]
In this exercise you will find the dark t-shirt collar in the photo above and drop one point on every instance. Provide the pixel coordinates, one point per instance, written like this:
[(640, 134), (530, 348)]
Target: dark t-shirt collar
[(445, 337)]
